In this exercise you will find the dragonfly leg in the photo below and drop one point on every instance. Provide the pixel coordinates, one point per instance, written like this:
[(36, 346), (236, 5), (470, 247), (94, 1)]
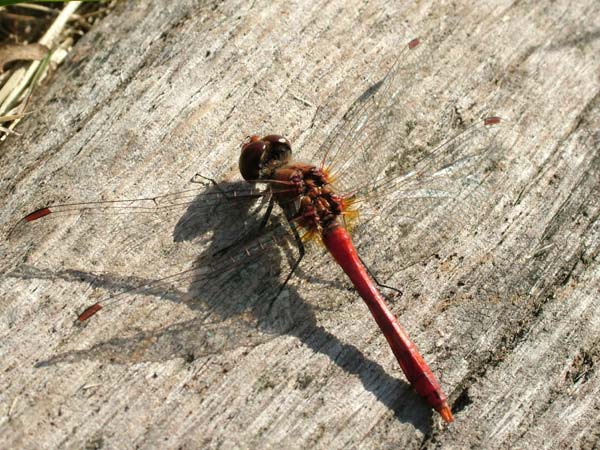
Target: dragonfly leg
[(199, 175), (377, 282), (246, 237), (267, 214), (265, 218), (302, 252), (212, 181)]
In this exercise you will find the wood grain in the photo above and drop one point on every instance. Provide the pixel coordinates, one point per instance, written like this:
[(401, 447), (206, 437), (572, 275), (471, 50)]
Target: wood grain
[(505, 311)]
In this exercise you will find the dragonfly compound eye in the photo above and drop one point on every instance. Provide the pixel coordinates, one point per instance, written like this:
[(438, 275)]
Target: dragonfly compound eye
[(251, 157), (279, 150), (276, 140)]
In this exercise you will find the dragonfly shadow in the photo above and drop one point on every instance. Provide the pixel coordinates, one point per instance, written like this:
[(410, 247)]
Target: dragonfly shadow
[(238, 302)]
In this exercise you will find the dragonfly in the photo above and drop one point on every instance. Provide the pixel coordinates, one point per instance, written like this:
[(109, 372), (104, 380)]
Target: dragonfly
[(323, 202)]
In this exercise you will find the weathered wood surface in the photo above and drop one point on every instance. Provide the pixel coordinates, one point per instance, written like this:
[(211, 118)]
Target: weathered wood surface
[(506, 312)]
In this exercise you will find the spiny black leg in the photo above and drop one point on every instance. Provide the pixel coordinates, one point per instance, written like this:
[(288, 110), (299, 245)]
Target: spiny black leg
[(252, 233), (398, 291), (302, 251), (248, 235), (265, 219), (213, 182), (199, 175)]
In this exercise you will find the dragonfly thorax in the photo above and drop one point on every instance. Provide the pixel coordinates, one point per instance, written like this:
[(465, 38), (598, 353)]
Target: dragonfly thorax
[(303, 191), (307, 197)]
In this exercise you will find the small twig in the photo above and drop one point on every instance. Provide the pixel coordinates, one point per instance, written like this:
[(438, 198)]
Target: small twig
[(12, 407), (38, 7), (11, 117), (300, 99), (8, 131), (540, 251), (22, 78), (36, 78)]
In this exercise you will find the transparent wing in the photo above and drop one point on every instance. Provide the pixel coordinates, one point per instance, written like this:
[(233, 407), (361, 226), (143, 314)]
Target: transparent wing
[(355, 151), (445, 194), (405, 155), (188, 215), (210, 276), (405, 125), (233, 295), (230, 282)]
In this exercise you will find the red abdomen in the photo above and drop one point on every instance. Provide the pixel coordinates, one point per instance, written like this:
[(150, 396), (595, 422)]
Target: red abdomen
[(338, 242)]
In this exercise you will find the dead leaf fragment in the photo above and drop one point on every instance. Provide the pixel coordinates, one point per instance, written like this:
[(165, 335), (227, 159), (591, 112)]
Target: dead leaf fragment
[(15, 52)]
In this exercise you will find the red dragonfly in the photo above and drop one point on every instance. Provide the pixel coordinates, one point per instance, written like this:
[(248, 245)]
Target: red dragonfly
[(322, 201)]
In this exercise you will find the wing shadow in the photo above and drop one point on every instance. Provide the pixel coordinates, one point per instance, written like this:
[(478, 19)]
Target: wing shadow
[(225, 298)]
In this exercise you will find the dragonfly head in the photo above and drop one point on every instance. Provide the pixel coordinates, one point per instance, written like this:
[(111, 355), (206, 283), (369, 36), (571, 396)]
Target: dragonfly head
[(260, 155)]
